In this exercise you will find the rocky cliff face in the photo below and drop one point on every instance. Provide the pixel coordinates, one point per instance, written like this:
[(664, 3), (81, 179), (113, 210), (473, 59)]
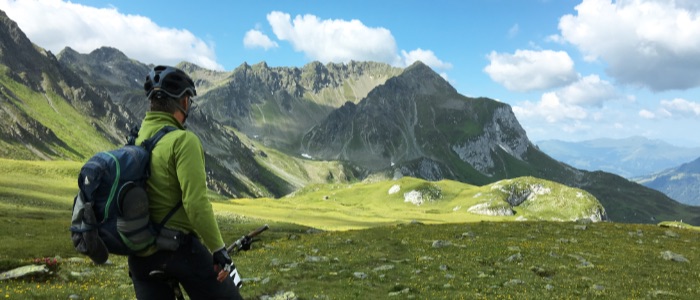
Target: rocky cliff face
[(419, 116), (378, 120), (109, 70), (18, 53), (231, 167), (277, 105), (417, 125), (504, 133), (106, 89), (39, 71)]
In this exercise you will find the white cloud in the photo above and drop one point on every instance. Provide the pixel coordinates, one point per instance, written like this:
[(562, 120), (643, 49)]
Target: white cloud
[(426, 56), (569, 103), (343, 41), (334, 40), (650, 43), (527, 70), (550, 108), (646, 114), (681, 107), (55, 24), (256, 39), (588, 91), (675, 109)]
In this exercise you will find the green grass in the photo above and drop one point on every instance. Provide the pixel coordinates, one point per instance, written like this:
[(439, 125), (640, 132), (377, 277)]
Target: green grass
[(56, 114), (364, 205), (295, 170), (679, 224), (369, 248)]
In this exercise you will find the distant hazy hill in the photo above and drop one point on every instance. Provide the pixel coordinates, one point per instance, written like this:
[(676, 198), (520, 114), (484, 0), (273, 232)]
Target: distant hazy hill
[(680, 183), (630, 157)]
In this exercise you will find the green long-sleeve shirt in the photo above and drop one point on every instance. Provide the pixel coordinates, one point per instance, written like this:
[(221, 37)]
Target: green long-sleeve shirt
[(177, 174)]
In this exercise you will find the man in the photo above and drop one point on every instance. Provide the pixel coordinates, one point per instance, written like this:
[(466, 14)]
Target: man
[(178, 176)]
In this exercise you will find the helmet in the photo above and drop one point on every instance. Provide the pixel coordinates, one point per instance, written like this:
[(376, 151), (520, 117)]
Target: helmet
[(169, 80)]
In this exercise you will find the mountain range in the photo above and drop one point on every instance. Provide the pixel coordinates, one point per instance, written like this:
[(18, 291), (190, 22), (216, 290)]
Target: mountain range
[(268, 131), (656, 164), (681, 183), (628, 157)]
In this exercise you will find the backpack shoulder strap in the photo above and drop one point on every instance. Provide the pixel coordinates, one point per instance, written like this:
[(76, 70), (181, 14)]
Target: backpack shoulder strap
[(133, 134), (150, 143), (168, 216)]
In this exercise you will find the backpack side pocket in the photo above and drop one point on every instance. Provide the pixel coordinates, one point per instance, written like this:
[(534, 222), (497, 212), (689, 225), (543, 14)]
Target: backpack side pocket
[(84, 234)]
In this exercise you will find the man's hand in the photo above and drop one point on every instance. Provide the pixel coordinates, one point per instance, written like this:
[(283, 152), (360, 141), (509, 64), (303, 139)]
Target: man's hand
[(246, 241), (222, 264)]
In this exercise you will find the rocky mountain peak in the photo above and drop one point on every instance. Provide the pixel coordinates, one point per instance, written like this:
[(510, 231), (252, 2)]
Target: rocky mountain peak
[(68, 55), (420, 78), (108, 54), (376, 119), (100, 56), (189, 67), (11, 35), (19, 54), (261, 65)]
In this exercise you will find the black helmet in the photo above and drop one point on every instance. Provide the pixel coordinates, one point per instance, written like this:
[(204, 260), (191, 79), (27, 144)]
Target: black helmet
[(169, 80)]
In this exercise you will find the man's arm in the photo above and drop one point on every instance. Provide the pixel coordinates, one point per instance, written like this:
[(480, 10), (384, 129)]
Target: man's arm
[(191, 174)]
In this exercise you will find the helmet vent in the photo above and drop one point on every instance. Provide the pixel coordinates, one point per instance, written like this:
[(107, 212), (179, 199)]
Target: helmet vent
[(172, 81)]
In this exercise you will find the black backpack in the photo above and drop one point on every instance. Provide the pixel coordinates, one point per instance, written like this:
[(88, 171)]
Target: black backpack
[(110, 212)]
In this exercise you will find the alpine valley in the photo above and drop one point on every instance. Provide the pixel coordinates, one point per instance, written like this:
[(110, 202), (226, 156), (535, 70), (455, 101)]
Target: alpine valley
[(271, 131)]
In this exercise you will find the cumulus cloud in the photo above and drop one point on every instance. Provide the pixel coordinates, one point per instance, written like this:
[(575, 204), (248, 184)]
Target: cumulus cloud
[(342, 41), (649, 43), (646, 114), (588, 91), (550, 108), (569, 103), (333, 40), (676, 108), (56, 24), (256, 39), (681, 107), (527, 70), (426, 56)]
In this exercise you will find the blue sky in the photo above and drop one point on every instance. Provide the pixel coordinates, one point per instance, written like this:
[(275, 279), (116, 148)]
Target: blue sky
[(571, 69)]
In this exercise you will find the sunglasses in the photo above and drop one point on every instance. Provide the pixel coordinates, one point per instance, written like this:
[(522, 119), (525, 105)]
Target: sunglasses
[(191, 104)]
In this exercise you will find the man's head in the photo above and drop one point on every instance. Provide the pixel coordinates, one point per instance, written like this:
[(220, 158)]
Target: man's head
[(170, 90)]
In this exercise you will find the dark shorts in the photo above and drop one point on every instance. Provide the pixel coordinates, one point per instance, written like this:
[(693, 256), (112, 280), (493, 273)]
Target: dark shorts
[(191, 265)]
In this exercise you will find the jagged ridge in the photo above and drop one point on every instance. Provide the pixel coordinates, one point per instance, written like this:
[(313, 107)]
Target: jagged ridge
[(415, 120)]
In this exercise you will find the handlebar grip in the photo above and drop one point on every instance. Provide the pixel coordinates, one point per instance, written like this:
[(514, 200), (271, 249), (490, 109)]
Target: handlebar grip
[(258, 231), (239, 243)]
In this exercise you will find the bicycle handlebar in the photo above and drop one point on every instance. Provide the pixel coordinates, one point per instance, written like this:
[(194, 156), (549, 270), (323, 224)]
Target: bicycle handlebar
[(244, 242)]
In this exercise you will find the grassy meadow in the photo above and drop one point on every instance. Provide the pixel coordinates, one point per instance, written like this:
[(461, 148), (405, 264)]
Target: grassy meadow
[(360, 241)]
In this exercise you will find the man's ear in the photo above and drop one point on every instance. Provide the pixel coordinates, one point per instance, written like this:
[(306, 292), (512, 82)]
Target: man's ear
[(184, 102)]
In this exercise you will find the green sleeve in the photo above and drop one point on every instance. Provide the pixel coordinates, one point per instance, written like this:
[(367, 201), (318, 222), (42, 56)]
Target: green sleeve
[(189, 161)]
